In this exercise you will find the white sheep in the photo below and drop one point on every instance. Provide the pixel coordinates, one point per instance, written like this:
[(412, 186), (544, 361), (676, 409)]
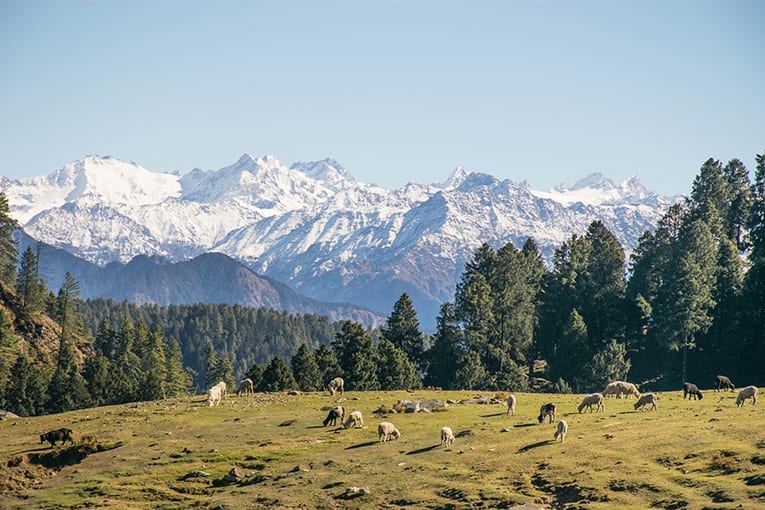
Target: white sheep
[(335, 385), (354, 420), (612, 389), (748, 392), (246, 386), (213, 396), (385, 430), (628, 389), (644, 400), (223, 389), (447, 437), (594, 399), (561, 431), (511, 405)]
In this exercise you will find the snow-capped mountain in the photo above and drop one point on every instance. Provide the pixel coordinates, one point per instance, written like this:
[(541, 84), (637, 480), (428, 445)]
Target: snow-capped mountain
[(313, 226)]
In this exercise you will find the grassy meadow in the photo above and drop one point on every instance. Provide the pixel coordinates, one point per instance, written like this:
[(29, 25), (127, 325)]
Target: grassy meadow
[(176, 454)]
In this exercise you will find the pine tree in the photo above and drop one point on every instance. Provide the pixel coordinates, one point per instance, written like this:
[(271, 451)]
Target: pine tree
[(154, 366), (305, 370), (403, 329), (683, 306), (98, 376), (443, 354), (8, 251), (395, 371), (356, 354), (67, 389), (26, 390), (609, 364), (211, 363), (277, 377), (328, 364), (470, 373), (256, 374), (178, 378), (29, 287)]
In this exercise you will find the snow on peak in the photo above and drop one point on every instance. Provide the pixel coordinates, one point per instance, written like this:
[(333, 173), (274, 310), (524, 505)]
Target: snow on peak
[(595, 189), (595, 181), (456, 178), (327, 170), (94, 179)]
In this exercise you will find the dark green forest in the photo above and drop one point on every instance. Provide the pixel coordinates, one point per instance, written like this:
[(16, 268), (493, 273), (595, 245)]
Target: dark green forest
[(688, 304)]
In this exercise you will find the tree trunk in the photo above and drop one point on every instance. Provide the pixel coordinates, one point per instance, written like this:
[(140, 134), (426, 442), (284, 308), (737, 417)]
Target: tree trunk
[(685, 360)]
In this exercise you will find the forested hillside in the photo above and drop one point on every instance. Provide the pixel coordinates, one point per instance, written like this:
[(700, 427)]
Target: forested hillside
[(687, 305)]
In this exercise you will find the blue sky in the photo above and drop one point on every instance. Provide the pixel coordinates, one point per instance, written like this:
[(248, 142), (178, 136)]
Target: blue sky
[(396, 91)]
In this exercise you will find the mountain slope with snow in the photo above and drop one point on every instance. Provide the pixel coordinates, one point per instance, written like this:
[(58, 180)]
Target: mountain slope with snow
[(314, 227)]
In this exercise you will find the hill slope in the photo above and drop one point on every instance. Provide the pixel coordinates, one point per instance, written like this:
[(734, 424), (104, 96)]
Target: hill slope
[(176, 454), (208, 278)]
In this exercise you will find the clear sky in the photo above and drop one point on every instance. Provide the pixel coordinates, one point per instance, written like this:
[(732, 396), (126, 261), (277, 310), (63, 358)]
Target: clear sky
[(396, 91)]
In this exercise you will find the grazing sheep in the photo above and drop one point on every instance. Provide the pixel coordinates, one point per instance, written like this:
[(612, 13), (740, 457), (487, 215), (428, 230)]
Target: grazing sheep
[(354, 420), (52, 436), (628, 389), (385, 430), (691, 390), (336, 385), (612, 389), (594, 399), (722, 382), (547, 411), (644, 400), (338, 413), (748, 392), (222, 388), (561, 432), (447, 437), (246, 386), (511, 405), (214, 396)]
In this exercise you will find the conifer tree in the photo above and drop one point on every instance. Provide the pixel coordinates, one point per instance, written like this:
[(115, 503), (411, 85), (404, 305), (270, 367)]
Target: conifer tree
[(67, 389), (98, 374), (403, 329), (470, 373), (8, 251), (329, 367), (395, 371), (29, 287), (305, 370), (356, 355), (178, 378), (25, 394), (277, 377), (443, 354), (684, 304)]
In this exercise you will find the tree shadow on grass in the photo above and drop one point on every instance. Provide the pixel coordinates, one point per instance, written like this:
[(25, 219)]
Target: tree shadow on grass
[(534, 445), (492, 415), (517, 425), (315, 427), (423, 450), (361, 445)]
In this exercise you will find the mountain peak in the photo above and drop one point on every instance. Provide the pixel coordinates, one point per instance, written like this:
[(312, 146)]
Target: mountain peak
[(595, 180), (456, 178)]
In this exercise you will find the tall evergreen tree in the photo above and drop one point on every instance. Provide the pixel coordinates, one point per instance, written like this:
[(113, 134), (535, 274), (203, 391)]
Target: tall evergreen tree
[(277, 377), (178, 378), (443, 354), (395, 370), (328, 364), (684, 304), (403, 329), (8, 251), (29, 287), (67, 389), (356, 354), (305, 370), (26, 390)]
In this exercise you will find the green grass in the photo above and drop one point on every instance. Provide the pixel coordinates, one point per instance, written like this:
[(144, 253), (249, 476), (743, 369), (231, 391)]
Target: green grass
[(174, 454)]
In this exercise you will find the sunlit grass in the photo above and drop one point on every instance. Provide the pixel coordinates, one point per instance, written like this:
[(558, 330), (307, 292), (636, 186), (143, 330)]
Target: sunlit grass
[(177, 453)]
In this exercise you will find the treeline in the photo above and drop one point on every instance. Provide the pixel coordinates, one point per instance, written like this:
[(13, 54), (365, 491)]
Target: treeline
[(689, 303)]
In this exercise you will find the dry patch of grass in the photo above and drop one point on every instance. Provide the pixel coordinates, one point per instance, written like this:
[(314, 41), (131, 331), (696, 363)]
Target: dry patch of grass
[(271, 451)]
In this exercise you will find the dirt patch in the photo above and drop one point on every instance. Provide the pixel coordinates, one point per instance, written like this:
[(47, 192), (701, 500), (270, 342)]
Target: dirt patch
[(566, 494), (25, 470)]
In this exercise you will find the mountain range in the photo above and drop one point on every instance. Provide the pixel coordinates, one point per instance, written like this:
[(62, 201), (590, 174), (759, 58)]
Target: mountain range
[(312, 226)]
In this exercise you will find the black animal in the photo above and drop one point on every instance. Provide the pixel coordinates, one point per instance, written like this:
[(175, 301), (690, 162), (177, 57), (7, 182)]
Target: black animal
[(547, 411), (691, 391), (334, 414), (722, 383), (52, 436)]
